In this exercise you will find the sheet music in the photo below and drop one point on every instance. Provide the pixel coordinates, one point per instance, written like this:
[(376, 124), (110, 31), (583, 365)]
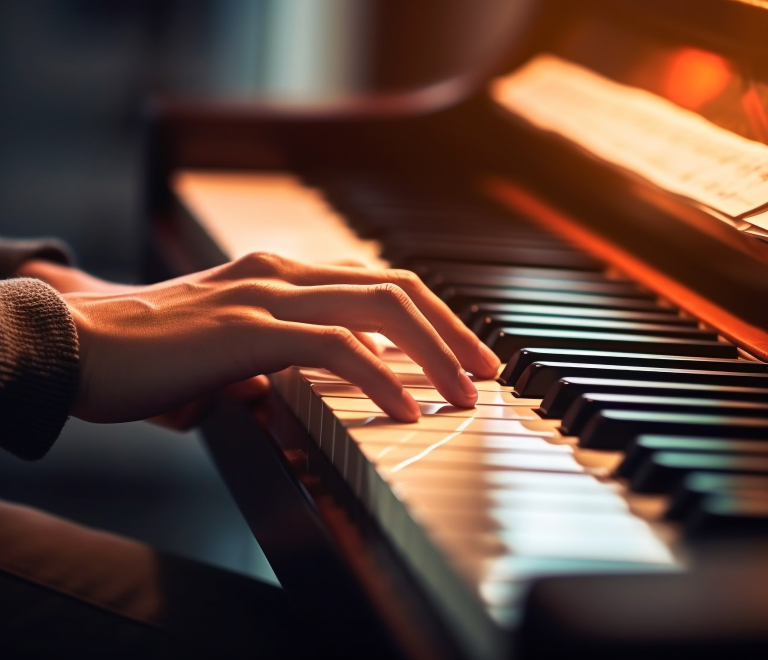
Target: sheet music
[(760, 220), (674, 148)]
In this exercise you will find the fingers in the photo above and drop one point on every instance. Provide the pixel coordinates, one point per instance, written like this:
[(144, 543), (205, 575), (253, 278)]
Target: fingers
[(184, 417), (473, 355), (369, 342), (189, 415), (285, 343), (383, 308), (249, 390)]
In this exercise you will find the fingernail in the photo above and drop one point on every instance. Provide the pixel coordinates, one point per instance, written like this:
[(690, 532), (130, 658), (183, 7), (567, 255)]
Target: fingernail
[(489, 356), (466, 385), (411, 405)]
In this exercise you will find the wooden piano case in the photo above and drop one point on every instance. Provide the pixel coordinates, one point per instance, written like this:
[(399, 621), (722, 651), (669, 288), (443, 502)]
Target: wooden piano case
[(354, 590)]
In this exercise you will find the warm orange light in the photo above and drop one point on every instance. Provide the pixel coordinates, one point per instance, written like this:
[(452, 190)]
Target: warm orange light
[(695, 77)]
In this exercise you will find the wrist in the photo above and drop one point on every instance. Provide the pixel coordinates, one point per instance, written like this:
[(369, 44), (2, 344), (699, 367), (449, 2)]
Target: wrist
[(56, 275), (66, 279)]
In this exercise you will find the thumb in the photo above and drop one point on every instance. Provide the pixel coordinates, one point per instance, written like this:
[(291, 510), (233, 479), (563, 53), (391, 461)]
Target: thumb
[(249, 390)]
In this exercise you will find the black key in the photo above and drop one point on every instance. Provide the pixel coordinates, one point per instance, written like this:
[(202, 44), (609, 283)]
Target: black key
[(494, 323), (473, 314), (565, 313), (724, 517), (587, 406), (615, 429), (643, 448), (410, 209), (400, 242), (507, 341), (698, 485), (527, 356), (458, 233), (665, 470), (499, 254), (605, 288), (540, 376), (400, 252), (438, 272), (563, 393), (385, 223), (461, 298)]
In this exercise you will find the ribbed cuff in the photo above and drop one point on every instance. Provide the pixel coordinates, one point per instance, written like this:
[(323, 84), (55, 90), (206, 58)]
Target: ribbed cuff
[(38, 366), (14, 253)]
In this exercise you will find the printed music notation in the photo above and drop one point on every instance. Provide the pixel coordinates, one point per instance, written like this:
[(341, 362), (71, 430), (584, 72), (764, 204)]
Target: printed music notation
[(650, 136)]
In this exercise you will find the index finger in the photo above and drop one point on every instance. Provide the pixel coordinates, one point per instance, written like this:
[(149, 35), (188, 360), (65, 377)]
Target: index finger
[(284, 343), (473, 355)]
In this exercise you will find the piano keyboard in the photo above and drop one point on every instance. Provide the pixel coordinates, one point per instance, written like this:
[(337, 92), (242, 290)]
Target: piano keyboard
[(620, 433)]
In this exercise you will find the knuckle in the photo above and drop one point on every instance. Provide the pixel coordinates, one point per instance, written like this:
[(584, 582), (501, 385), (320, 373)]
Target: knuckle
[(391, 294), (254, 293), (240, 317), (257, 289), (339, 337), (264, 264), (406, 278)]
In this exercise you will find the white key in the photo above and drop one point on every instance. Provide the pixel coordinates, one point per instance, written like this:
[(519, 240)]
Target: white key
[(424, 395), (472, 480), (564, 523), (639, 546), (398, 458), (323, 376), (432, 409), (429, 451), (498, 499), (460, 425), (514, 568)]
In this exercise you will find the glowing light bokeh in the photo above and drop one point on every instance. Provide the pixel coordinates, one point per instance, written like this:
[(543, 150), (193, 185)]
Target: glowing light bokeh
[(695, 77)]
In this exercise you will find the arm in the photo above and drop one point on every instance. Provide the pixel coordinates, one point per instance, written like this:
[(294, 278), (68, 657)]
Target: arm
[(38, 366), (38, 350), (148, 351), (66, 279)]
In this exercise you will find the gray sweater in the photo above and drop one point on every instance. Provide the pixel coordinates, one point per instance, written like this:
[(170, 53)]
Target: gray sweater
[(38, 353)]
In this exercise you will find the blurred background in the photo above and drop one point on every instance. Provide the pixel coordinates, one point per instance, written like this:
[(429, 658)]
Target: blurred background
[(74, 76)]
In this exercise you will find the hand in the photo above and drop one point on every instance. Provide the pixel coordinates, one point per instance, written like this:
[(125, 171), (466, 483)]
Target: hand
[(151, 349), (66, 279), (187, 416)]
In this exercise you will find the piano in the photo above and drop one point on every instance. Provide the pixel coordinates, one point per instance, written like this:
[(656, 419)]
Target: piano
[(609, 492)]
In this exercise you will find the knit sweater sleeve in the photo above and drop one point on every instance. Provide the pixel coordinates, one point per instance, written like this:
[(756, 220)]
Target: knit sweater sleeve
[(16, 252), (38, 366)]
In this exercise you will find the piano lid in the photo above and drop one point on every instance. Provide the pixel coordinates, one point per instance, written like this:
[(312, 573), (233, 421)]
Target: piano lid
[(717, 71), (664, 142), (413, 45), (709, 58)]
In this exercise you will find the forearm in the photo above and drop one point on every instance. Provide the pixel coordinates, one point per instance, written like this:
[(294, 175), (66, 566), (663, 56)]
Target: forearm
[(66, 279), (52, 262)]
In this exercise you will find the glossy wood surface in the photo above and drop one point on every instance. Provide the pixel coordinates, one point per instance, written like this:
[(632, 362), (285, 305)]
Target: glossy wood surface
[(324, 549), (751, 338)]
